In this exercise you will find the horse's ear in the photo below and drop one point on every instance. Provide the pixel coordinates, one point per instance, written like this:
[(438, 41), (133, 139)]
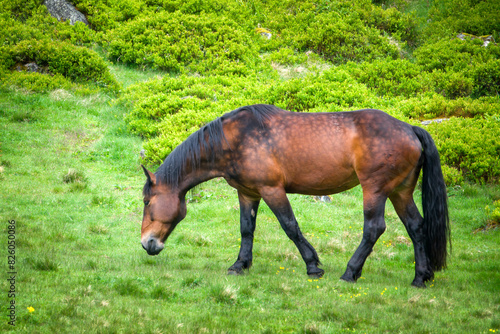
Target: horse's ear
[(151, 176)]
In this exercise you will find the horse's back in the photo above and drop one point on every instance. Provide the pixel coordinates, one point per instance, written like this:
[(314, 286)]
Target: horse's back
[(324, 153)]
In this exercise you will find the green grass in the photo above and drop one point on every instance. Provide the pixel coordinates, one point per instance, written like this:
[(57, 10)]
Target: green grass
[(71, 180)]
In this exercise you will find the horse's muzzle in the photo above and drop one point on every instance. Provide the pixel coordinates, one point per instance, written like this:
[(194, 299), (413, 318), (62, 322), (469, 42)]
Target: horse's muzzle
[(152, 246)]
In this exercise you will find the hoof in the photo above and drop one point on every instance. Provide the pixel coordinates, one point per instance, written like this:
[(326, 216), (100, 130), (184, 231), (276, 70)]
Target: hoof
[(418, 284), (318, 273), (348, 280), (236, 271), (350, 275)]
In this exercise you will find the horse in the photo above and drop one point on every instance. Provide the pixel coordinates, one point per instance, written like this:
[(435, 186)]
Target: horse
[(265, 152)]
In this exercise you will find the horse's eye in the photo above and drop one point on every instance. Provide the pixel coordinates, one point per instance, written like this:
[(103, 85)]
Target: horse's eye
[(146, 203)]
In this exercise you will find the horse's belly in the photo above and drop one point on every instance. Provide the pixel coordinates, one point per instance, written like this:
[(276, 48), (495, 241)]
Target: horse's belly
[(324, 182)]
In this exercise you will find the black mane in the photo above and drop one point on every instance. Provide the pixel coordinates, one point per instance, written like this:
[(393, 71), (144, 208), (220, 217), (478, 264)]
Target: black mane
[(208, 139)]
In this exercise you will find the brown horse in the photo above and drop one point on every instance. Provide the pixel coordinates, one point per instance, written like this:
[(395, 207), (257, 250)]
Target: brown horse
[(265, 152)]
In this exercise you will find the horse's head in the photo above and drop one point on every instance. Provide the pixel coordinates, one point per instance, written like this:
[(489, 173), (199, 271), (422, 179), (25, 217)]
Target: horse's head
[(163, 209)]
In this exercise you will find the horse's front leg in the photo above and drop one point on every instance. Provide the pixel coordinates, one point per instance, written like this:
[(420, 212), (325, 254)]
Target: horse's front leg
[(248, 215), (278, 202)]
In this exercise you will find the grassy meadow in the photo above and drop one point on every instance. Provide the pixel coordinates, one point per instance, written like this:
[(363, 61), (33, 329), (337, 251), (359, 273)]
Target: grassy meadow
[(144, 74), (72, 182)]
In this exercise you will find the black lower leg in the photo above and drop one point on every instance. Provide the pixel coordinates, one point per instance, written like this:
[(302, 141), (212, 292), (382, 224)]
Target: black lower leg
[(414, 227), (248, 216), (373, 228), (282, 209), (413, 221), (306, 250)]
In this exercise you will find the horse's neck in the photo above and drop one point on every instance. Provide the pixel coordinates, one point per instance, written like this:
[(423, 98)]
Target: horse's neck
[(199, 175), (186, 173)]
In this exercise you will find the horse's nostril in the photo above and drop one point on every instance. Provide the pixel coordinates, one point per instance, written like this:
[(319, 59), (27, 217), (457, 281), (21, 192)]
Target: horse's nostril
[(152, 246)]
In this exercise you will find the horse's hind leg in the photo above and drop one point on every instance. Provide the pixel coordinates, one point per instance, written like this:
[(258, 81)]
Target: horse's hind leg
[(374, 226), (278, 202), (248, 216), (413, 221)]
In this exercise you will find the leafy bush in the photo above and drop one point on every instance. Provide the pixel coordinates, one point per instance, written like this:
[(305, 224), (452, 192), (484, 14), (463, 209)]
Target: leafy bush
[(332, 90), (452, 68), (230, 8), (13, 31), (450, 17), (434, 105), (452, 176), (40, 25), (494, 213), (340, 40), (104, 15), (287, 56), (471, 146), (77, 64), (402, 25), (179, 43), (39, 38), (486, 78), (36, 82), (19, 9), (452, 84), (398, 77), (455, 54)]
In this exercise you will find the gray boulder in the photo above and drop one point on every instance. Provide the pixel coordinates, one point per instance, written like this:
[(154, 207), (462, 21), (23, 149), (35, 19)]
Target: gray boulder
[(64, 11)]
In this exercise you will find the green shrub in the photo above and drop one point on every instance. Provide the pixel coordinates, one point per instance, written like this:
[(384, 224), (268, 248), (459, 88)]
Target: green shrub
[(345, 40), (206, 6), (77, 64), (465, 69), (389, 77), (393, 21), (432, 105), (452, 176), (12, 31), (40, 25), (486, 78), (450, 17), (455, 55), (494, 213), (451, 84), (36, 82), (338, 30), (19, 9), (104, 15), (471, 146), (177, 42), (332, 90), (287, 56)]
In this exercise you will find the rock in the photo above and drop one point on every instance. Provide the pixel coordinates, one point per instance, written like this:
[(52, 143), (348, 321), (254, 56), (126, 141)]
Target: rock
[(64, 11), (437, 120), (263, 32), (486, 39), (32, 67), (325, 199)]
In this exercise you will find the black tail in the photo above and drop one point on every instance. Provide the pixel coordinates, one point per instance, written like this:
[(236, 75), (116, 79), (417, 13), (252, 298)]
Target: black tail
[(435, 203)]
